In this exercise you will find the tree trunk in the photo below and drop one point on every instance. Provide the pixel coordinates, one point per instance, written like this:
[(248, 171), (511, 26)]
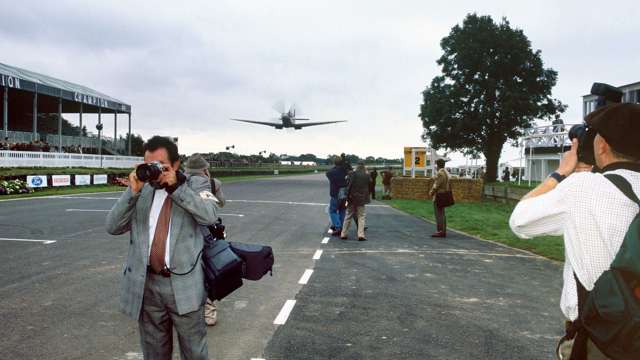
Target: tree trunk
[(492, 156)]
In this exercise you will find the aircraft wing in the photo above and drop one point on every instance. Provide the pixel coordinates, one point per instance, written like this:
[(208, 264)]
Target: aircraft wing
[(318, 123), (275, 125)]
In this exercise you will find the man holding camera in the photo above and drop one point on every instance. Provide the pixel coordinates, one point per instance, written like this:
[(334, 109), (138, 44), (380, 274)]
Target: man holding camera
[(162, 210), (588, 209)]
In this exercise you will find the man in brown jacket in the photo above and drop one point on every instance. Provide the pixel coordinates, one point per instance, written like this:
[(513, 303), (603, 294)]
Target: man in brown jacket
[(441, 184)]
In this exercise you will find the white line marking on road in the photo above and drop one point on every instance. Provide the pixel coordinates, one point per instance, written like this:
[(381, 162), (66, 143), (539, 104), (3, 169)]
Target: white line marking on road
[(290, 203), (84, 197), (257, 359), (59, 196), (325, 240), (88, 210), (107, 210), (305, 277), (317, 254), (45, 242), (282, 317)]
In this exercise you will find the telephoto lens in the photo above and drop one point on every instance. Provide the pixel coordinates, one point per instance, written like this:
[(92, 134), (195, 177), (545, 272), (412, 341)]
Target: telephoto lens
[(149, 172)]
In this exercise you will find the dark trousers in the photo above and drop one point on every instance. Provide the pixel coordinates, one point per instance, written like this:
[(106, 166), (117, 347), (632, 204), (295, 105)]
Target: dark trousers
[(441, 218), (159, 316)]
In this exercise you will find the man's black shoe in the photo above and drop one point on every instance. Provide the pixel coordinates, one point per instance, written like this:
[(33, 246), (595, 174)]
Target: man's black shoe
[(343, 237), (333, 228), (362, 239), (336, 232)]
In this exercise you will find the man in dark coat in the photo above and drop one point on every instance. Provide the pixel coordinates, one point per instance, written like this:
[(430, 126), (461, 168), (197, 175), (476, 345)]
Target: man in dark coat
[(374, 179), (337, 180), (358, 197)]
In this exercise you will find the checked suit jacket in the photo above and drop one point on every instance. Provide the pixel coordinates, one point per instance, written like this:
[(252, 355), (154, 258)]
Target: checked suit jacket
[(190, 208)]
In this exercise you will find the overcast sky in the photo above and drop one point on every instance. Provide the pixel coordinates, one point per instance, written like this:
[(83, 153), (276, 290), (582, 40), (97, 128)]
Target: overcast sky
[(187, 67)]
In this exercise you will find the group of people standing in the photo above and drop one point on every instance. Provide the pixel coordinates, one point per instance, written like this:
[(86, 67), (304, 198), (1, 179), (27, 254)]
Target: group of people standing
[(350, 190)]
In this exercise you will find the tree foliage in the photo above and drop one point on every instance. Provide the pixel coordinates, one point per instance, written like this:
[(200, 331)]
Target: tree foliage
[(493, 86)]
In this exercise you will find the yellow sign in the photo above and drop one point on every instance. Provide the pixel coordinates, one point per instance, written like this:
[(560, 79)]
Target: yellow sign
[(415, 157)]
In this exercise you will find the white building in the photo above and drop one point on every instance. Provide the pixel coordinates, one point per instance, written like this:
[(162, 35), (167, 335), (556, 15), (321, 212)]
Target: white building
[(543, 146)]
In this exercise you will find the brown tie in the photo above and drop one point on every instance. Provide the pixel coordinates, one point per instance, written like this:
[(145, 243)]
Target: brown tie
[(159, 244)]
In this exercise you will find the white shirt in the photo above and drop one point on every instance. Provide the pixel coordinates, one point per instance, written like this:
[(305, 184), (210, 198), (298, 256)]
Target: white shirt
[(592, 214), (154, 214)]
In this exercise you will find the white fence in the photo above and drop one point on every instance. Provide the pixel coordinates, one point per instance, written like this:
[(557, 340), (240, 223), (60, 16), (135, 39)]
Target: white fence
[(42, 159)]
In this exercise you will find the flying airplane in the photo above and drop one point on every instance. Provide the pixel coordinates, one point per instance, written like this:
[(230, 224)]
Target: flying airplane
[(289, 120)]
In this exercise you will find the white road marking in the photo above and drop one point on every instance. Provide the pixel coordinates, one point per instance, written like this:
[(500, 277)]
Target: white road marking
[(305, 277), (405, 251), (291, 203), (282, 317), (107, 210), (59, 196), (45, 242), (83, 197), (325, 240), (88, 210), (317, 254)]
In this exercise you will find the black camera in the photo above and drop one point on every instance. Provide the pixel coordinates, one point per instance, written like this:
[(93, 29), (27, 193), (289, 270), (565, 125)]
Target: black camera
[(149, 171), (217, 230), (606, 94)]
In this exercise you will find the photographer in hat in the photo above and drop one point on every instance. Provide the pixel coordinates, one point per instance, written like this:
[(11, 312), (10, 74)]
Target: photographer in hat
[(196, 165), (590, 212)]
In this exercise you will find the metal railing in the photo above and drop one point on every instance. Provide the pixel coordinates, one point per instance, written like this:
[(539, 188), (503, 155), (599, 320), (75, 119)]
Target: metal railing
[(42, 159)]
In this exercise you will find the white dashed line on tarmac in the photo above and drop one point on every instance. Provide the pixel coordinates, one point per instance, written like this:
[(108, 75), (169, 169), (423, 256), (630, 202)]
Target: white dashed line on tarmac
[(305, 277), (325, 240), (107, 210), (282, 317), (317, 254), (45, 242)]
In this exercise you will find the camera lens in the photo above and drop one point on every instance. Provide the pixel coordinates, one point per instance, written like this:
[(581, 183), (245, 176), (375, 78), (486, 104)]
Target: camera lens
[(148, 172)]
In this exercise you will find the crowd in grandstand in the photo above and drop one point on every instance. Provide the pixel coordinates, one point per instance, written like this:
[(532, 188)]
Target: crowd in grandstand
[(43, 146)]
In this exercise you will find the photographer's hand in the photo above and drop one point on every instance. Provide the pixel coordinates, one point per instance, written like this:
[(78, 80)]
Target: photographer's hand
[(134, 183), (168, 177)]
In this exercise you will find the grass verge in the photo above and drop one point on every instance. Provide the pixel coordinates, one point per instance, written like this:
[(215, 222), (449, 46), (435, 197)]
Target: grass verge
[(108, 188), (487, 220)]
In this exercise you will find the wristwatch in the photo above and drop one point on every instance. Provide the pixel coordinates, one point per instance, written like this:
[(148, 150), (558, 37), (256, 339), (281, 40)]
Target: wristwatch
[(556, 175)]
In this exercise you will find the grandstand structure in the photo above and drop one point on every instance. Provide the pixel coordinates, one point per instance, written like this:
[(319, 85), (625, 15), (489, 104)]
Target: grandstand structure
[(32, 107)]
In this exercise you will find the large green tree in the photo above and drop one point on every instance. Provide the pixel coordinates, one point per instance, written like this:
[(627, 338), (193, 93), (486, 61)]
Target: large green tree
[(493, 86)]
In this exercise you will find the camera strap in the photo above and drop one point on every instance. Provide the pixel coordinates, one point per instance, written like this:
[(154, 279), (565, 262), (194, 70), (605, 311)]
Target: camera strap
[(208, 237)]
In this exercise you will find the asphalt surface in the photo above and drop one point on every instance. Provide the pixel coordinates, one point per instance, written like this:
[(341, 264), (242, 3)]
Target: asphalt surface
[(400, 295)]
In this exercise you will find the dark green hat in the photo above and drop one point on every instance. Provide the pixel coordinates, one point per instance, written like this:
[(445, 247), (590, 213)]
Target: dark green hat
[(196, 163), (619, 125)]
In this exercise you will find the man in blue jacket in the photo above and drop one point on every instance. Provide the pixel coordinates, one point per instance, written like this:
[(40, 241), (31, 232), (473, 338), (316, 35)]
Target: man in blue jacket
[(337, 180)]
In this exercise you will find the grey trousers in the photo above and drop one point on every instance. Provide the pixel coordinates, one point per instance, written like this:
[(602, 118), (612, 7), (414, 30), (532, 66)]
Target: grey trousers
[(159, 316), (441, 218), (357, 212)]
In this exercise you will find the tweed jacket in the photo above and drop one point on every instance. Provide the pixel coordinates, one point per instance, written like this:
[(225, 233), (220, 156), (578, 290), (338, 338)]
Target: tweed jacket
[(191, 207)]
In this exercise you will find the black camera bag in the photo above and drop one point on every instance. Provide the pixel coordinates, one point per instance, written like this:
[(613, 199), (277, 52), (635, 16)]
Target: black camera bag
[(258, 259), (223, 269)]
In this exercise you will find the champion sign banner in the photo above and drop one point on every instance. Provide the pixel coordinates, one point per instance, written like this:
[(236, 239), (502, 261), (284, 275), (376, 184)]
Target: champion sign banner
[(61, 180), (37, 181)]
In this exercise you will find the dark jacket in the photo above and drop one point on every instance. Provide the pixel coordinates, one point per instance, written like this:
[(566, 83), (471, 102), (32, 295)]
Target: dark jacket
[(358, 193), (337, 178)]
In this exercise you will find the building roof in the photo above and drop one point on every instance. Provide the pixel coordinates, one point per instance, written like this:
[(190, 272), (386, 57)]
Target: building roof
[(623, 87), (92, 100)]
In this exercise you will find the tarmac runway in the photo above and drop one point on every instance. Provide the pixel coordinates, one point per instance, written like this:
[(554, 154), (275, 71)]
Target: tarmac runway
[(400, 295)]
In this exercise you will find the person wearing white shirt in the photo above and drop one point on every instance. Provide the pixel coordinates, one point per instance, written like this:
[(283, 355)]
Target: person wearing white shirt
[(586, 208)]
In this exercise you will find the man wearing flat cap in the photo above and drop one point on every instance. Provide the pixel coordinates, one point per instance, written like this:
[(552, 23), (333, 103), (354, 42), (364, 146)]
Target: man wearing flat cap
[(590, 212), (196, 165)]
